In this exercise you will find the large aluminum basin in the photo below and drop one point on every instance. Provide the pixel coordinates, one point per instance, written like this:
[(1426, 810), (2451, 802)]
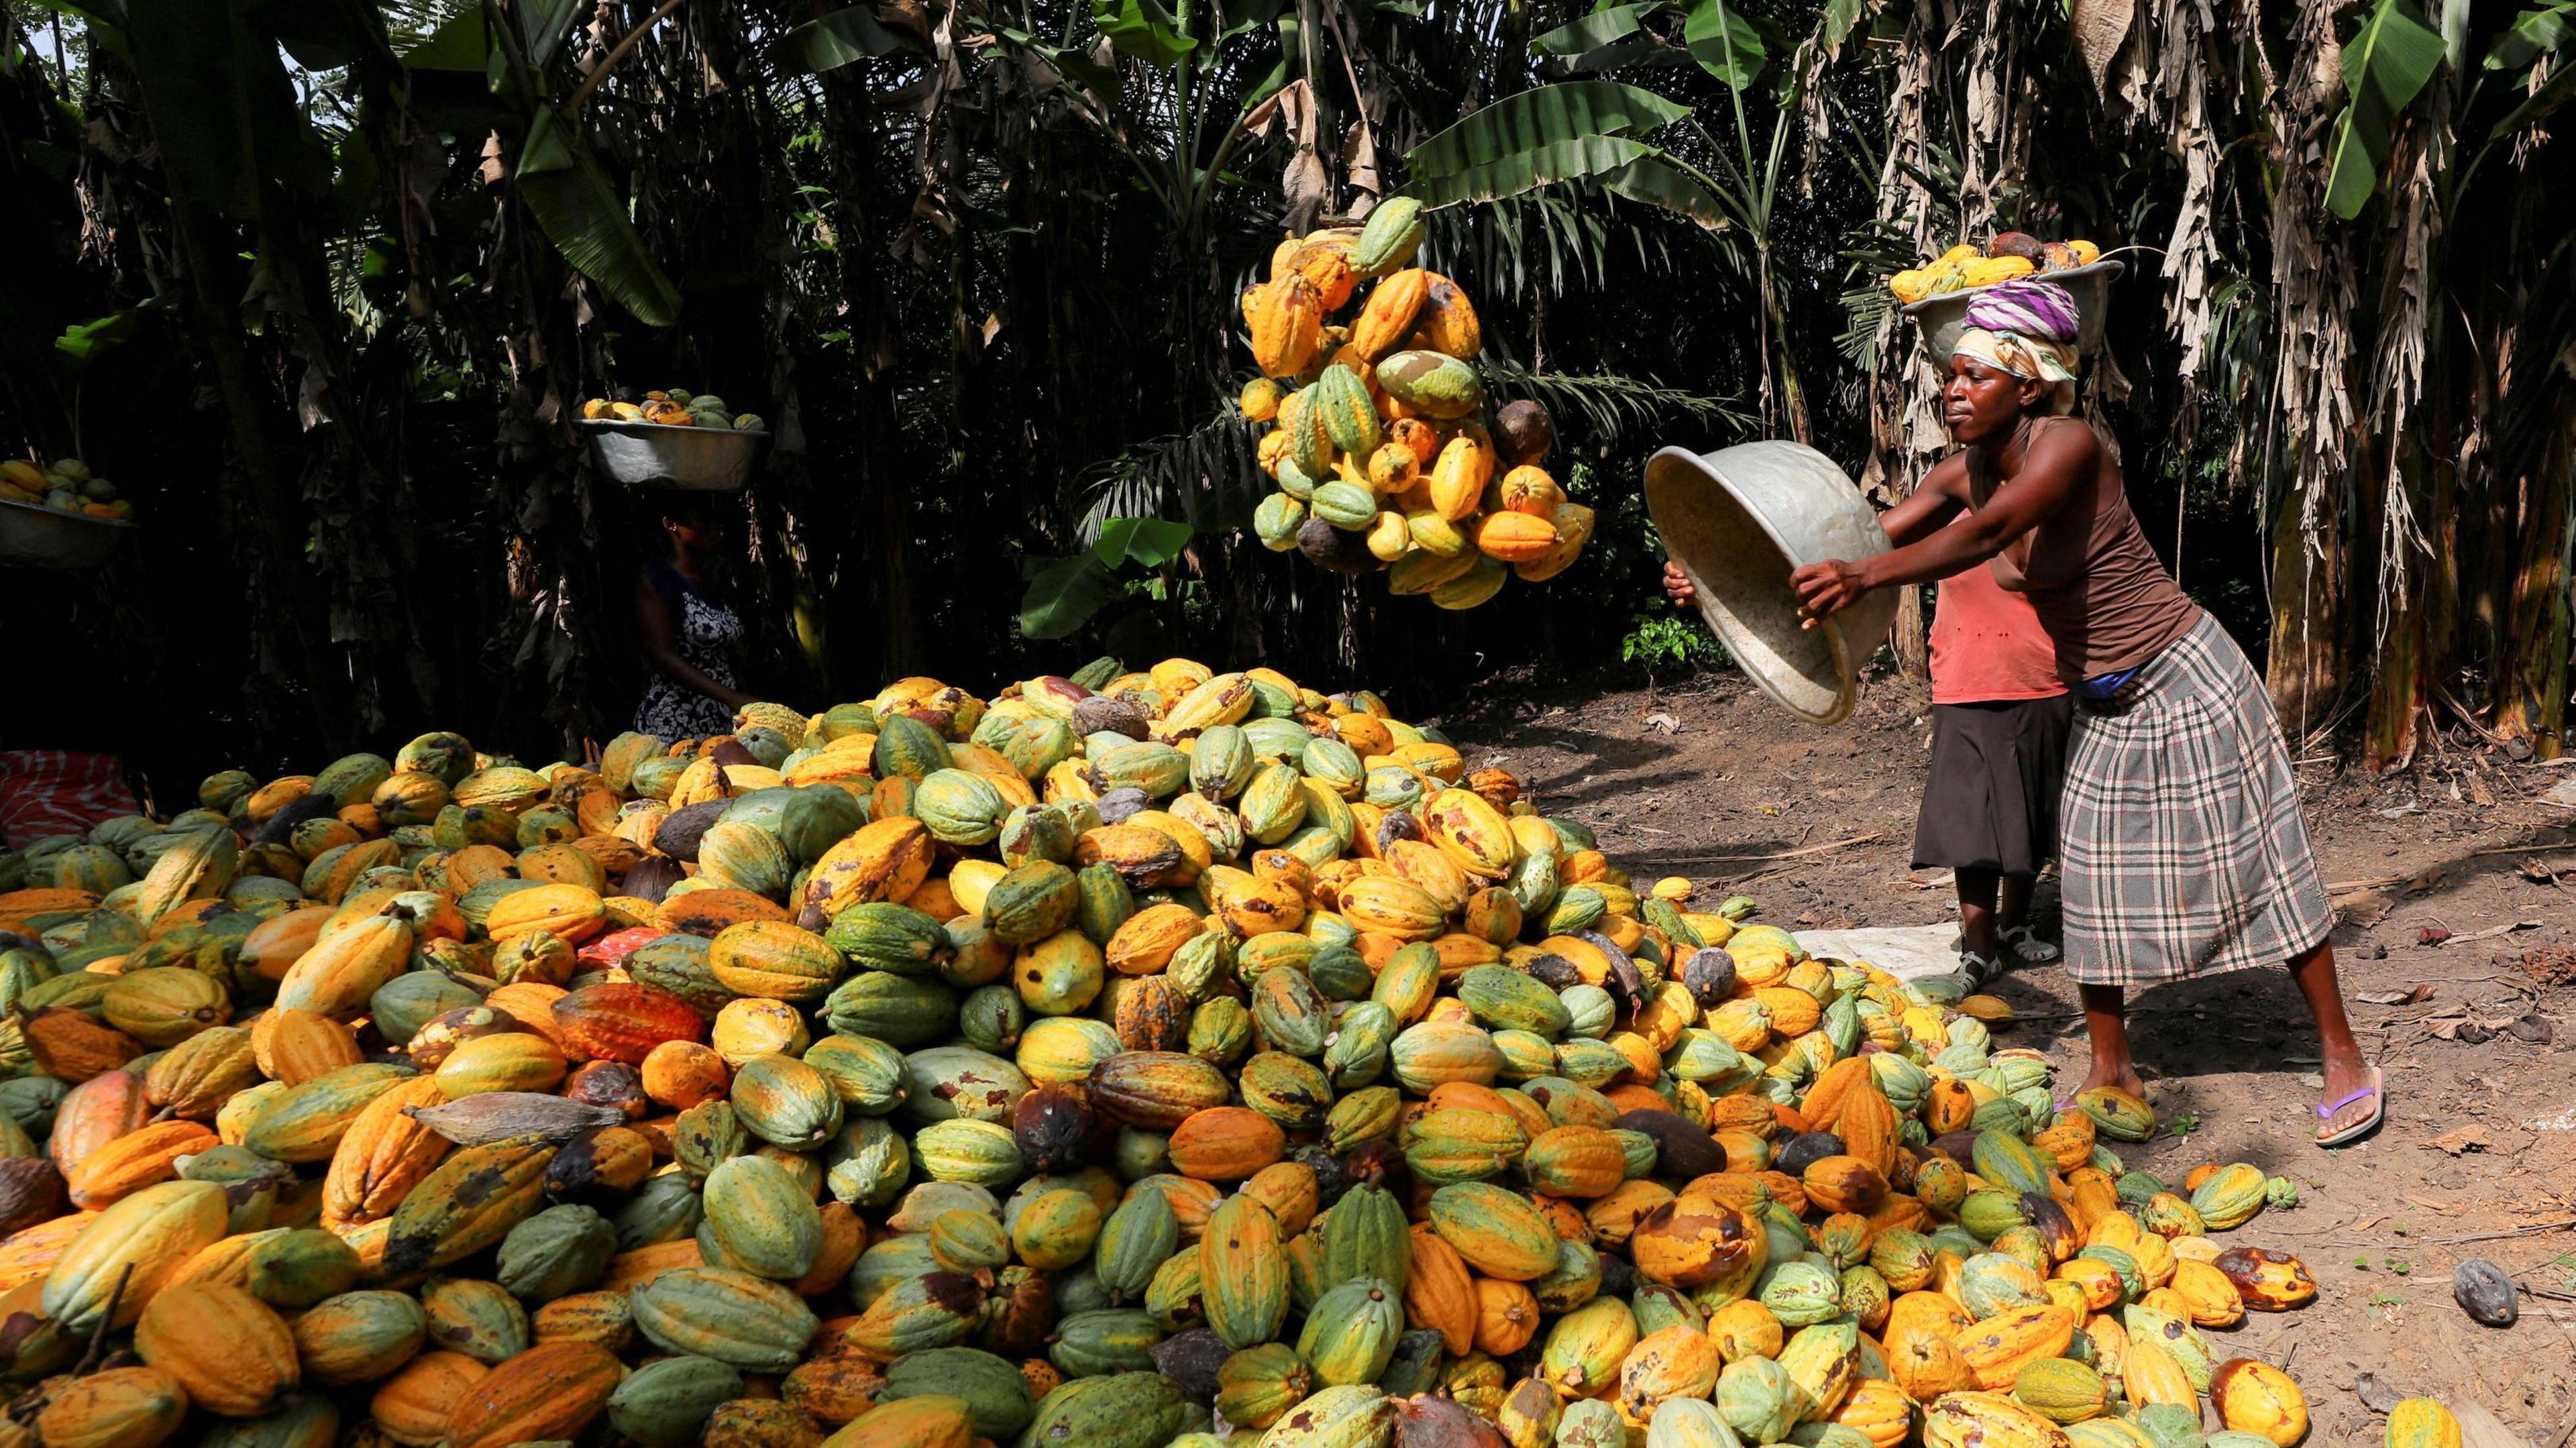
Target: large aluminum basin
[(33, 536), (656, 455), (1740, 520)]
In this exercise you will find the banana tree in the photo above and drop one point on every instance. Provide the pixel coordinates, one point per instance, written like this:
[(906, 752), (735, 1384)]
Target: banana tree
[(1637, 144), (558, 172)]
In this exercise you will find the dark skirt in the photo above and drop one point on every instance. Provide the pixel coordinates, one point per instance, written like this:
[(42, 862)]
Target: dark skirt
[(1990, 801)]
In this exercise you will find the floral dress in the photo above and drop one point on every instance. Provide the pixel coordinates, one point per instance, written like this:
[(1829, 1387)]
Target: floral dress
[(707, 634)]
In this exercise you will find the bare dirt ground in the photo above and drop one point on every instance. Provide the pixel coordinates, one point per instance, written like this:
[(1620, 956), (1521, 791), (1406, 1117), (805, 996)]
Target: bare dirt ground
[(1709, 780)]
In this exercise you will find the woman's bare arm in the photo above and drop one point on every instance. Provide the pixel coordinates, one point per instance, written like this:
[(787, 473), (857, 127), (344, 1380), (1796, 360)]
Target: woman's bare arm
[(1933, 503), (2057, 463)]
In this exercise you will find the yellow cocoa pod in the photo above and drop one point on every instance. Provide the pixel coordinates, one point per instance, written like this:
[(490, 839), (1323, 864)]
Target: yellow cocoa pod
[(1458, 479), (1531, 490), (1260, 400)]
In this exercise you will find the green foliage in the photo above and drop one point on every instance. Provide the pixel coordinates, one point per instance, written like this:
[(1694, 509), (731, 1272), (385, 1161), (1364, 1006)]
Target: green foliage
[(1575, 131), (1669, 640), (843, 37), (2385, 67), (1068, 593), (587, 220)]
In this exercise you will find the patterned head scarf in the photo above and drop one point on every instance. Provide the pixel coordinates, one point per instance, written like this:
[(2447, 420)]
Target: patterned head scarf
[(2026, 329)]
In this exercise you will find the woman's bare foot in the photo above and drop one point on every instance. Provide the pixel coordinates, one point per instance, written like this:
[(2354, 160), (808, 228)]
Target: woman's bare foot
[(2349, 1078), (2115, 1073), (2344, 1078)]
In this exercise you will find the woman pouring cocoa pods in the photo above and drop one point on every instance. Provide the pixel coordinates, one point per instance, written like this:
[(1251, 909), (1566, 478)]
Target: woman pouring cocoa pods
[(2181, 844)]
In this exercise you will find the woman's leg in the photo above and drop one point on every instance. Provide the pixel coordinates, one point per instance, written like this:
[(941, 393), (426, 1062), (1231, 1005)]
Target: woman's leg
[(2106, 1021), (2012, 901), (1977, 922), (2344, 1069)]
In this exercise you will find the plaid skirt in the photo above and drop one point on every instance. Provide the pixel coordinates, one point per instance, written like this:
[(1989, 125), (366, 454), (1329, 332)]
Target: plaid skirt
[(2180, 837)]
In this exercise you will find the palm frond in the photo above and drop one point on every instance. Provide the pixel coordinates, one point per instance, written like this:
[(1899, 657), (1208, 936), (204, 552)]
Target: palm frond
[(1207, 477), (1612, 406)]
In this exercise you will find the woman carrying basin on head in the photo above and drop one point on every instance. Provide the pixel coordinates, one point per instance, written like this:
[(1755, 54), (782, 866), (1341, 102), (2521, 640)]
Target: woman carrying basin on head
[(690, 634), (2181, 843)]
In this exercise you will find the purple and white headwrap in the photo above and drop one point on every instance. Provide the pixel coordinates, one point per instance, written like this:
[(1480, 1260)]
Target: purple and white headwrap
[(2041, 310)]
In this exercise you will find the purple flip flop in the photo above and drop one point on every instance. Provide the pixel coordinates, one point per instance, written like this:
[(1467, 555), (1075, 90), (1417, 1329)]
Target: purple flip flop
[(2378, 1110)]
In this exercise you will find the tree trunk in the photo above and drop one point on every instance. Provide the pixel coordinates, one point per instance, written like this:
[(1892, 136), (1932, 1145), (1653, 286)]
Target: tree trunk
[(275, 514), (2305, 671), (2531, 689)]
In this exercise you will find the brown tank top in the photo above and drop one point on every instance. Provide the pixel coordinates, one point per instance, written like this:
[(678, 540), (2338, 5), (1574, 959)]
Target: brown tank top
[(2101, 594)]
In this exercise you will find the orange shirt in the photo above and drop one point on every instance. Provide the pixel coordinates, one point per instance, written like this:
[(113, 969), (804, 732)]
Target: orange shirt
[(1987, 643)]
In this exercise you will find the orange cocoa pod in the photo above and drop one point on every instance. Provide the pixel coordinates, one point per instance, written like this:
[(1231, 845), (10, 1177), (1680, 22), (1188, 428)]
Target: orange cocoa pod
[(682, 1074), (134, 1161), (384, 1154), (296, 1046), (552, 1390)]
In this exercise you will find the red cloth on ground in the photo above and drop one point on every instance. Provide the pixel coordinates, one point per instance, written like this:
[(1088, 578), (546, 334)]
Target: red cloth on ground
[(47, 792)]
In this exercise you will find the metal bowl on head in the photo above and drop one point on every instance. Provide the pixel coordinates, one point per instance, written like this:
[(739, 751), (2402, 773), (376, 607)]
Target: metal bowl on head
[(1740, 520), (1943, 318), (35, 536), (659, 455)]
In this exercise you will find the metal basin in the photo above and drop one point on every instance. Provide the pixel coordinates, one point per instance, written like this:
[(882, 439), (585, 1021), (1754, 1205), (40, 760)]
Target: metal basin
[(1742, 519), (1944, 318), (655, 455), (32, 536)]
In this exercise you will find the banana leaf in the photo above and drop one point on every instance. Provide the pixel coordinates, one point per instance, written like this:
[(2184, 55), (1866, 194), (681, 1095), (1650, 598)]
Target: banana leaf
[(850, 34), (587, 220), (1725, 43), (1658, 182), (1615, 35), (1065, 594), (1142, 30), (1539, 137), (2386, 64)]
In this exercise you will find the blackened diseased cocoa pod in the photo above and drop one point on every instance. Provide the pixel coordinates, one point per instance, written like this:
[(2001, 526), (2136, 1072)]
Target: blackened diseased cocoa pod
[(1115, 805), (1806, 1149), (682, 828), (1101, 714), (1052, 1125), (1191, 1360), (1377, 1164), (2485, 1293), (1018, 1313), (31, 1191), (1683, 1152), (1709, 975), (1331, 1181), (1433, 1420), (610, 1083), (1626, 984), (651, 878), (294, 812), (1554, 971), (1397, 826)]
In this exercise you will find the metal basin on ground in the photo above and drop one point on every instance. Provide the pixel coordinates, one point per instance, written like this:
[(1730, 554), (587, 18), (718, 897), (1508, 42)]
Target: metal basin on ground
[(1739, 521)]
